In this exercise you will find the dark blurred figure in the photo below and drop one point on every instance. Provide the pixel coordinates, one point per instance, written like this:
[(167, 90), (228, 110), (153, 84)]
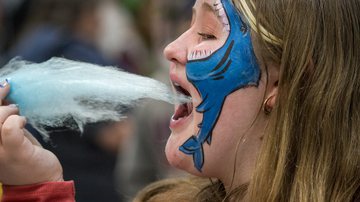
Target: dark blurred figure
[(12, 18), (66, 28), (69, 29)]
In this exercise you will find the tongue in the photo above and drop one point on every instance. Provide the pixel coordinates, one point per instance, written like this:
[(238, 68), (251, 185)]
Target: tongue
[(183, 111)]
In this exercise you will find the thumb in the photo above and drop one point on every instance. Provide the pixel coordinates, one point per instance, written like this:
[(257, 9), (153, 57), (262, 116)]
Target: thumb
[(12, 132)]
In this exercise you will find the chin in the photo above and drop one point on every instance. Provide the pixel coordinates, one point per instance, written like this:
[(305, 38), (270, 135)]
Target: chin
[(178, 159), (174, 156)]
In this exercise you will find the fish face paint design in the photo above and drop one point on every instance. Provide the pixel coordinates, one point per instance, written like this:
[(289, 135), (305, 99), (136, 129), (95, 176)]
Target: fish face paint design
[(217, 74)]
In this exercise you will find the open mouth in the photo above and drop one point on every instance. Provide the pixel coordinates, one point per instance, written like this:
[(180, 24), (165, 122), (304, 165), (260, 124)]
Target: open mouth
[(183, 110)]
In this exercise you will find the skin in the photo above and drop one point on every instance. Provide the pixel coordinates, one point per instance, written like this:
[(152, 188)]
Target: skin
[(232, 67), (22, 160), (237, 136)]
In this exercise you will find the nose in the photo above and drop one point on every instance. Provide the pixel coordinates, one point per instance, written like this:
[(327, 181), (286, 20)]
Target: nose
[(177, 50)]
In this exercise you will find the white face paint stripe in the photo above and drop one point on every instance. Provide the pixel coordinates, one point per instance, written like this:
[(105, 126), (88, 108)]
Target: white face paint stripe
[(199, 54), (219, 8)]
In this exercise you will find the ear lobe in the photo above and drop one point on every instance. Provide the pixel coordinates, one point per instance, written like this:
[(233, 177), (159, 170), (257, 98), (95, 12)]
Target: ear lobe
[(272, 101), (270, 98), (272, 84), (273, 94), (269, 104)]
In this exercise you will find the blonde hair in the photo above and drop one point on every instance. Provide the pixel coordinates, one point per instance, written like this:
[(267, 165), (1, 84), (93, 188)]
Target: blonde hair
[(182, 190), (311, 151)]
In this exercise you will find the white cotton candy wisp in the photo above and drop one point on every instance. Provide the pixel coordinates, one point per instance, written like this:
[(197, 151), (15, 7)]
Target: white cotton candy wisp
[(51, 92)]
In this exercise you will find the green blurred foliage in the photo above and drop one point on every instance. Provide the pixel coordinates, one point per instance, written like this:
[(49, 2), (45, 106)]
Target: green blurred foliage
[(132, 5)]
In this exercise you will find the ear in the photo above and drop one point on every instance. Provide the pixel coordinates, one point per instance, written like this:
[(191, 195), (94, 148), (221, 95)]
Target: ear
[(272, 85)]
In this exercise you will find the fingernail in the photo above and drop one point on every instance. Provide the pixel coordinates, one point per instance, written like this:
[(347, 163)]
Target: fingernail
[(4, 83), (14, 105)]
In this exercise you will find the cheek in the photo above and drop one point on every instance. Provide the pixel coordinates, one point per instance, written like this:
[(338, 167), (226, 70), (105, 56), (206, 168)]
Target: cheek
[(239, 113), (235, 124), (240, 109)]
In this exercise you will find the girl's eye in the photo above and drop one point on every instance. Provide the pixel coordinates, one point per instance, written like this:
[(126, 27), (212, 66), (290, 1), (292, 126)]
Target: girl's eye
[(207, 36)]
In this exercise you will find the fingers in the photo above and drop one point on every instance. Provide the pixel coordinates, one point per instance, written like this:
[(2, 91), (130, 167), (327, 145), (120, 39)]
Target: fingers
[(12, 132), (32, 139), (6, 111), (4, 90)]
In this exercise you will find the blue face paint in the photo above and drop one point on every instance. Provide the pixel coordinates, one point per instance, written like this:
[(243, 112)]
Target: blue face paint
[(230, 68)]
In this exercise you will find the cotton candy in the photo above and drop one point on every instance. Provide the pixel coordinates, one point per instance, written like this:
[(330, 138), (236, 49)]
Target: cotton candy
[(50, 93)]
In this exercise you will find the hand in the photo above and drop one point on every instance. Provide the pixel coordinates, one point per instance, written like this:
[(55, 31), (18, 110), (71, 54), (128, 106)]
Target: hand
[(22, 159)]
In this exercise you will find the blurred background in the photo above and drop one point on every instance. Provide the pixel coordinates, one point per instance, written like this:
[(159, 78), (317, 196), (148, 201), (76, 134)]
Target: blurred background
[(110, 161)]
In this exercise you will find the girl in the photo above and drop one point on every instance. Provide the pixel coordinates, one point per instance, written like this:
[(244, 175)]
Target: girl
[(275, 89)]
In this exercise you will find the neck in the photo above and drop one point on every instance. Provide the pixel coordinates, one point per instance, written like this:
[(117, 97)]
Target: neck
[(238, 176)]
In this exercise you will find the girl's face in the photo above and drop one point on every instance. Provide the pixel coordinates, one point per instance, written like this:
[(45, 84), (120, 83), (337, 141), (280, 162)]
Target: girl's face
[(214, 63)]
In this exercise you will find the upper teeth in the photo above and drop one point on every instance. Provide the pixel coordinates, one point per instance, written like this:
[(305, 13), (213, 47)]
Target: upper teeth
[(199, 54)]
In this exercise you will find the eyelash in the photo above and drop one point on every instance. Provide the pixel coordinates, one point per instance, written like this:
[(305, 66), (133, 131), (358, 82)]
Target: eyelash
[(207, 36)]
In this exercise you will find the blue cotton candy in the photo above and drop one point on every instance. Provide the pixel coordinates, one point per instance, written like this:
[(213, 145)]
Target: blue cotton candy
[(49, 93)]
